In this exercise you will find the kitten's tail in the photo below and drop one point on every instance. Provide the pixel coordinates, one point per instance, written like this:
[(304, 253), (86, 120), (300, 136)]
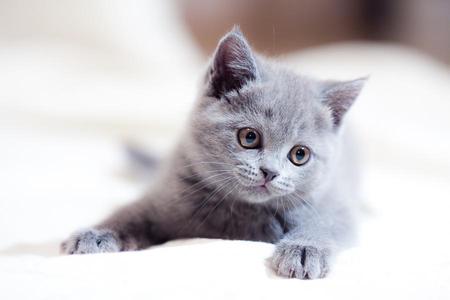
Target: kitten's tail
[(141, 161)]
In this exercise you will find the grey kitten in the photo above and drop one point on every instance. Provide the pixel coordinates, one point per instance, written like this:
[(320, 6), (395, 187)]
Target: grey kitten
[(262, 159)]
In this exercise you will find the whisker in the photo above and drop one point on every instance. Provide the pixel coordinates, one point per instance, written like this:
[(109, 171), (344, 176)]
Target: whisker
[(276, 210), (217, 205), (205, 182), (202, 205), (310, 208), (284, 212), (215, 192), (308, 204), (205, 162)]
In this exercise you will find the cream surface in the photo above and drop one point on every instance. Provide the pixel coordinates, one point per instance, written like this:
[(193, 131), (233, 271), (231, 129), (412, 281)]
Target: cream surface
[(66, 106)]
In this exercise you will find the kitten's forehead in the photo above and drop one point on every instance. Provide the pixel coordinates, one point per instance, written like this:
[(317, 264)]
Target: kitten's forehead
[(285, 106)]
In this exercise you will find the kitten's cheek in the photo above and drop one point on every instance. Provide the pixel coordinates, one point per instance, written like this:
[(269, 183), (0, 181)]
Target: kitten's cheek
[(243, 179)]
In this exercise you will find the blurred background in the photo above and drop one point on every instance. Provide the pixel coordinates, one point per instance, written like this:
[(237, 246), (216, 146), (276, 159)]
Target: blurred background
[(80, 79), (288, 25), (273, 26)]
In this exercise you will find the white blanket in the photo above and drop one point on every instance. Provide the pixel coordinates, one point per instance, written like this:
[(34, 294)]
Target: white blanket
[(66, 106)]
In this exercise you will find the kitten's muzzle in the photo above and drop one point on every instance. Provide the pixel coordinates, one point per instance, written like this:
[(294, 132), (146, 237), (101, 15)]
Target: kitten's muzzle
[(269, 175)]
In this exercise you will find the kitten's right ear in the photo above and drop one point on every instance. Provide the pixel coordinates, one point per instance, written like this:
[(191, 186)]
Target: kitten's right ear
[(233, 64), (339, 96)]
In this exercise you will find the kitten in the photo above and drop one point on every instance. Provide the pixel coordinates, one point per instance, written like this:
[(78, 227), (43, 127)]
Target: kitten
[(262, 159)]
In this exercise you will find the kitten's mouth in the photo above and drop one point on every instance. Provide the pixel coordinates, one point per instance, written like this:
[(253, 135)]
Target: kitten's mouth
[(259, 193), (262, 188)]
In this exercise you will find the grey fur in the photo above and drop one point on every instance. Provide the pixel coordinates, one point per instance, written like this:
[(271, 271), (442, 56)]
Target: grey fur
[(208, 186)]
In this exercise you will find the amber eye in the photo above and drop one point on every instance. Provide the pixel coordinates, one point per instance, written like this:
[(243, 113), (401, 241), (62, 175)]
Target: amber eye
[(299, 155), (249, 138)]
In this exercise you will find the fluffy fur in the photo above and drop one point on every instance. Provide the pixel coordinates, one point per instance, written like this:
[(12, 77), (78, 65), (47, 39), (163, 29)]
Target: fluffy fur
[(211, 186)]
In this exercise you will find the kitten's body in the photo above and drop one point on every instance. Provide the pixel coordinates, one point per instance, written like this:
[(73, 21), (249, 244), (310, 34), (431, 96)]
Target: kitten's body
[(210, 187)]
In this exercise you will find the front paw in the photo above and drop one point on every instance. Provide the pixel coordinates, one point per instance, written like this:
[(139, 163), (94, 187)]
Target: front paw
[(303, 261), (91, 241)]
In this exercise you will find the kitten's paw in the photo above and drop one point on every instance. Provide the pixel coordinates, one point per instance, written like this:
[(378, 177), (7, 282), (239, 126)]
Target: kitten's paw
[(294, 260), (90, 241)]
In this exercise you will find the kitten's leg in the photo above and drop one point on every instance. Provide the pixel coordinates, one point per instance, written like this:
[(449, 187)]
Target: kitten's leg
[(307, 251), (133, 227)]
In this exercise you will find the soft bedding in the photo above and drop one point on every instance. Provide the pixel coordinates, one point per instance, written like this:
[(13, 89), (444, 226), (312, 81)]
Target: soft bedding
[(64, 118)]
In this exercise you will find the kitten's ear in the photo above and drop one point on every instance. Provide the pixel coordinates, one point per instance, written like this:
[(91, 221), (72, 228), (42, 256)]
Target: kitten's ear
[(339, 96), (233, 64)]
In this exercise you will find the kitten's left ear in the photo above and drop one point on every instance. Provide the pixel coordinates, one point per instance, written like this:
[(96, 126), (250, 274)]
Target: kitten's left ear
[(339, 97), (233, 64)]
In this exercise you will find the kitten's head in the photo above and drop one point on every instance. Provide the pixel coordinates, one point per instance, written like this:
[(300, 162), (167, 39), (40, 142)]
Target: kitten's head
[(263, 132)]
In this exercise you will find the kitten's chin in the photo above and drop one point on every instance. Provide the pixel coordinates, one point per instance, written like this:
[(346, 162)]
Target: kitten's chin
[(257, 194)]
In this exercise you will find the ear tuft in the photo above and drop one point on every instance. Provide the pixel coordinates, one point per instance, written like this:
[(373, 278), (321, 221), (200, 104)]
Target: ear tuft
[(233, 65), (339, 97)]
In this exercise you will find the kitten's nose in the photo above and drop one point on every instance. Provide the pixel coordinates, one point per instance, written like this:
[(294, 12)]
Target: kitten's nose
[(268, 174)]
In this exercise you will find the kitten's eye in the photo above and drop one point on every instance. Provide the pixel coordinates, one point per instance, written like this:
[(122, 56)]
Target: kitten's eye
[(249, 138), (299, 155)]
